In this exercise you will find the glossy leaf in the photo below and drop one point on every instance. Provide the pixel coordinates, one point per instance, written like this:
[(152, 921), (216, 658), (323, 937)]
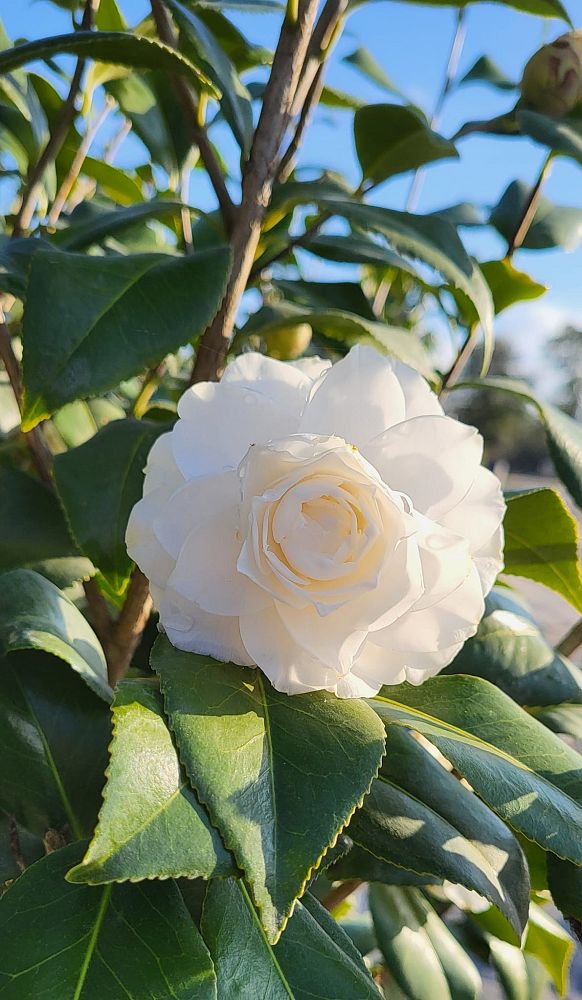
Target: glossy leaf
[(391, 139), (118, 47), (53, 742), (541, 543), (421, 953), (552, 225), (565, 883), (314, 958), (563, 434), (98, 485), (78, 352), (510, 651), (525, 773), (417, 810), (33, 532), (34, 614), (151, 824), (86, 943), (357, 249), (81, 235), (245, 762), (203, 48)]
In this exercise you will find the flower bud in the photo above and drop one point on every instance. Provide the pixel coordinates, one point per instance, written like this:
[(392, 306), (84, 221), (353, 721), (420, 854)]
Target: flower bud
[(552, 79), (287, 343)]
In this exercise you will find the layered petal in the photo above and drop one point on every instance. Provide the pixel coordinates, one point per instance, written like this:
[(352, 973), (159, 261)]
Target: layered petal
[(419, 399), (190, 628)]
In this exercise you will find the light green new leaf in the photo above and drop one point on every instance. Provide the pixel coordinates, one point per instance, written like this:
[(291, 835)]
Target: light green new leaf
[(541, 542), (391, 139), (119, 325), (151, 824), (246, 748), (517, 766), (98, 484), (53, 744), (202, 47), (417, 810), (33, 532), (509, 650), (563, 434), (118, 47), (34, 614), (314, 959), (421, 953), (85, 943), (433, 240), (508, 285)]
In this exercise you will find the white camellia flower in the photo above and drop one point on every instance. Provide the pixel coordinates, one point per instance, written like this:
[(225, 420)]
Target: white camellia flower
[(327, 523)]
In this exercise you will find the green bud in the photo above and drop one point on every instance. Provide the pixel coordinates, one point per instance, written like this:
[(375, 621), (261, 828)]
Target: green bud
[(287, 343), (552, 79)]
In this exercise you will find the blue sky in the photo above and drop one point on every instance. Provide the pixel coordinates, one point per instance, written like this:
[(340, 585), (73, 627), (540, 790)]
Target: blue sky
[(411, 43)]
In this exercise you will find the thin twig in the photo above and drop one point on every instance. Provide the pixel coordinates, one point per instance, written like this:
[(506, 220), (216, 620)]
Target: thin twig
[(76, 166), (57, 138), (15, 845), (197, 130), (117, 140), (460, 361), (257, 186), (127, 630), (287, 164), (295, 241), (571, 640), (337, 895), (321, 42), (530, 208)]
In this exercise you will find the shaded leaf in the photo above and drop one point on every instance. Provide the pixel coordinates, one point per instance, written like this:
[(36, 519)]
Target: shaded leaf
[(484, 70), (562, 135), (391, 139), (246, 763), (357, 249), (78, 236), (364, 62), (552, 225)]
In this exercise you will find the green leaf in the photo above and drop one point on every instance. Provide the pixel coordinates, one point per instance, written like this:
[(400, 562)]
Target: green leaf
[(421, 953), (203, 48), (484, 70), (563, 434), (34, 614), (151, 824), (542, 8), (525, 773), (33, 532), (550, 943), (430, 239), (75, 353), (508, 285), (314, 958), (417, 810), (53, 742), (552, 225), (391, 139), (246, 747), (364, 62), (331, 97), (157, 117), (565, 883), (565, 719), (84, 234), (510, 651), (86, 943), (98, 484), (541, 543), (118, 47), (357, 249), (562, 135)]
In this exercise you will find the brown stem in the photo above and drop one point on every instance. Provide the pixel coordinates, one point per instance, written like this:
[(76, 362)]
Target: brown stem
[(337, 895), (198, 132), (257, 186), (57, 138), (320, 44), (287, 164), (460, 361), (296, 241), (128, 628), (571, 640), (530, 208), (15, 845)]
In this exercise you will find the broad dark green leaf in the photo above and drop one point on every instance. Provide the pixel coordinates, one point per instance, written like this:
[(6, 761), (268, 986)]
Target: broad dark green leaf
[(151, 824), (53, 743), (33, 532), (34, 614), (357, 249), (563, 434), (246, 747), (484, 70), (364, 62), (565, 719), (416, 811), (314, 958), (552, 225), (562, 135), (541, 543), (432, 240), (119, 325), (85, 943), (565, 883), (392, 139), (346, 296), (205, 50), (421, 953), (98, 485), (510, 651), (523, 771), (117, 47), (157, 117), (83, 234)]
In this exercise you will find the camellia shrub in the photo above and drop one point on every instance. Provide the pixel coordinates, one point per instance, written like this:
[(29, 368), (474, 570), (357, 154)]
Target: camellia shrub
[(275, 721)]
